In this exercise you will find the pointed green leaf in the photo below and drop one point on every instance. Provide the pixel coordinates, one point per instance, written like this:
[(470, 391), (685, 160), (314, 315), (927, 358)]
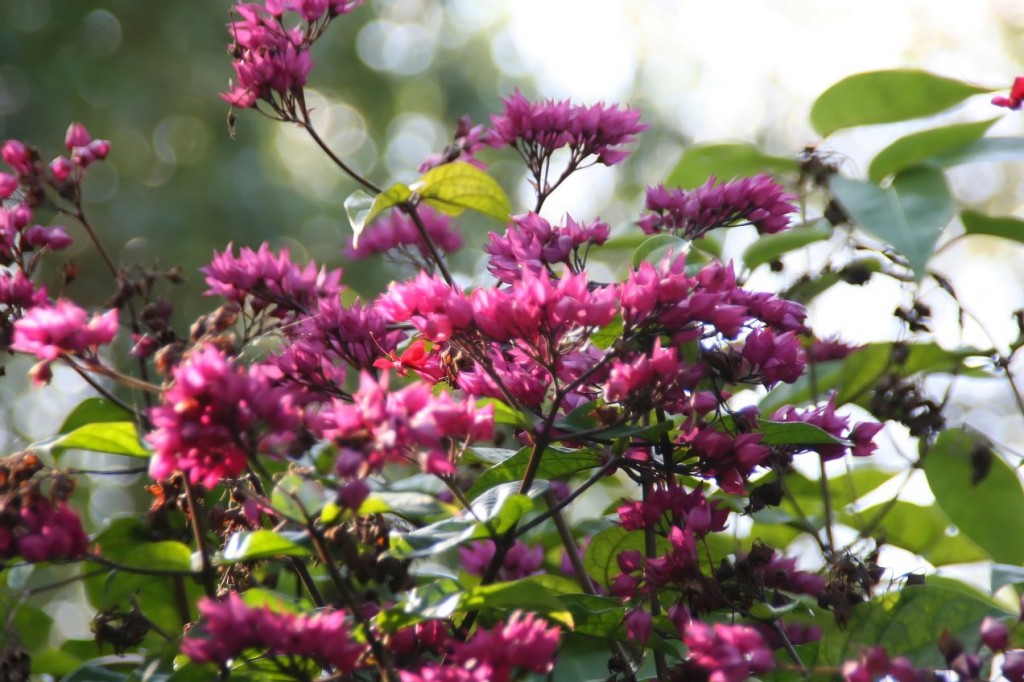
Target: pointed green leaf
[(925, 531), (362, 209), (725, 162), (886, 96), (166, 555), (260, 544), (796, 433), (94, 411), (920, 147), (1007, 227), (973, 507), (117, 438), (557, 462), (773, 246), (908, 623), (656, 247), (910, 214), (985, 150), (454, 187)]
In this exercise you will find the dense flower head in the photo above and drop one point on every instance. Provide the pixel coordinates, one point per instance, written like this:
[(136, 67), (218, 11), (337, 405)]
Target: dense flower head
[(656, 378), (356, 335), (520, 561), (729, 458), (824, 417), (18, 291), (691, 510), (692, 213), (381, 425), (230, 627), (264, 279), (523, 379), (396, 230), (214, 416), (269, 58), (429, 304), (50, 331), (539, 128), (539, 308), (37, 529), (532, 244), (729, 653)]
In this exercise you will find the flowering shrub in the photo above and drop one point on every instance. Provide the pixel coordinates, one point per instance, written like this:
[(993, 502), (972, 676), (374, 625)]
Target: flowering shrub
[(408, 488)]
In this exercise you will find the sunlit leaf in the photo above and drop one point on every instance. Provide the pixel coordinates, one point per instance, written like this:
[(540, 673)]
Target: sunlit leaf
[(656, 247), (973, 506), (362, 209), (260, 544), (886, 96), (1006, 227), (117, 438), (909, 214), (773, 246), (454, 187), (725, 162), (557, 462), (94, 411), (920, 147)]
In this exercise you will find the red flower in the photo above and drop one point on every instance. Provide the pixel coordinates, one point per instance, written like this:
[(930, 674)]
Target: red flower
[(1016, 97)]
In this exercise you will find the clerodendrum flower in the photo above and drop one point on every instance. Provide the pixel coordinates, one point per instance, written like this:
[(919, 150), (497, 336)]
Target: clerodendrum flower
[(215, 416)]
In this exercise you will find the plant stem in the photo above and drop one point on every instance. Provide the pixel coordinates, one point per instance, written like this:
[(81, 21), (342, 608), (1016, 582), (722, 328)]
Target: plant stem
[(207, 572)]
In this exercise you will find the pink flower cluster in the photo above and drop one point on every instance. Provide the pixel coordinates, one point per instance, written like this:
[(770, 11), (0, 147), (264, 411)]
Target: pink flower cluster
[(41, 530), (531, 244), (268, 281), (271, 59), (729, 653), (674, 506), (230, 627), (523, 642), (382, 425), (692, 213), (520, 561), (875, 663), (861, 436), (396, 230), (539, 128), (50, 331), (214, 416)]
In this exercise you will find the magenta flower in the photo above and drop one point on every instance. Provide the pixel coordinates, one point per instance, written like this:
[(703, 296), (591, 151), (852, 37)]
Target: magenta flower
[(468, 140), (49, 332), (437, 310), (380, 426), (539, 128), (77, 136), (8, 185), (214, 416), (690, 510), (1016, 97), (18, 291), (268, 281), (532, 244), (692, 213), (42, 531), (230, 627), (19, 157), (396, 230), (54, 238), (730, 653), (826, 419), (520, 561)]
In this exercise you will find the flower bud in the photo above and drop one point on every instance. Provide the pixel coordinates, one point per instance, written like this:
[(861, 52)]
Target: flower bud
[(8, 183), (61, 168), (77, 136), (994, 634)]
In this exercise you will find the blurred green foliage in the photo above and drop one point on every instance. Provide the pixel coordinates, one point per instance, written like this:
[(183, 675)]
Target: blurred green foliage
[(147, 77)]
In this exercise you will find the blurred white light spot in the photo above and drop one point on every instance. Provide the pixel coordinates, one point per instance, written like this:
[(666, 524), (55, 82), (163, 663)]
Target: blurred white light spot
[(403, 49)]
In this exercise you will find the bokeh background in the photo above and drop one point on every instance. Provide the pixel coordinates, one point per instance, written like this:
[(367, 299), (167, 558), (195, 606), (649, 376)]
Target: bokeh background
[(389, 83)]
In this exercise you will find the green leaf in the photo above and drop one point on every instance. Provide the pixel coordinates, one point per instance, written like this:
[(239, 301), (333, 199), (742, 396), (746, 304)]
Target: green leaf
[(594, 616), (32, 626), (985, 150), (260, 544), (493, 512), (607, 335), (299, 496), (454, 187), (362, 209), (94, 672), (557, 462), (1006, 227), (908, 623), (920, 147), (796, 433), (503, 414), (118, 438), (886, 96), (909, 214), (94, 411), (925, 531), (725, 162), (600, 559), (974, 508), (773, 246), (656, 247), (406, 504), (166, 555)]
